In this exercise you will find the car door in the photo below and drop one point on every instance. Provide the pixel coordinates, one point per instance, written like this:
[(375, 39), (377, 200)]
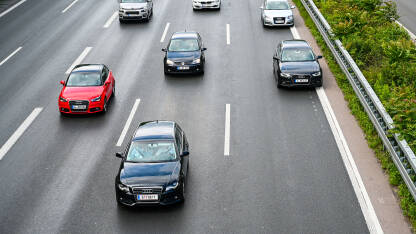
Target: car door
[(106, 81), (185, 147), (201, 46), (276, 58), (179, 143)]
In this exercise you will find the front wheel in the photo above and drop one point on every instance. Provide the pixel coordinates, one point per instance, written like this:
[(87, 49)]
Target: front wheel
[(113, 93), (183, 192), (105, 106)]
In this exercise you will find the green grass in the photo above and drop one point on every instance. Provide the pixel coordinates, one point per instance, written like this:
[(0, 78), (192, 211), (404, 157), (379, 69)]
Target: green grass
[(384, 90)]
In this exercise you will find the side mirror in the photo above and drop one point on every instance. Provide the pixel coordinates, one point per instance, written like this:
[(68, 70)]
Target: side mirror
[(275, 58), (119, 155), (261, 8), (319, 57), (292, 7), (107, 82), (62, 82), (163, 49), (203, 49), (184, 153)]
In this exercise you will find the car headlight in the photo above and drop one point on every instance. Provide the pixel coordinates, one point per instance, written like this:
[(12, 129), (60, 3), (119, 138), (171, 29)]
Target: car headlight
[(169, 62), (198, 60), (97, 99), (121, 10), (290, 17), (268, 18), (124, 188), (61, 99), (172, 186), (286, 75), (316, 73)]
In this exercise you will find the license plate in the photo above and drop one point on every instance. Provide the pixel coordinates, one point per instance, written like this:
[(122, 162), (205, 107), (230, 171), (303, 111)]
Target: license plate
[(147, 197), (279, 21), (301, 81), (79, 107), (183, 68)]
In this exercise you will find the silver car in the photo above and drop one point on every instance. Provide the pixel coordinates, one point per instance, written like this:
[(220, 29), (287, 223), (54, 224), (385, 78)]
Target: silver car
[(135, 10), (206, 4), (277, 13)]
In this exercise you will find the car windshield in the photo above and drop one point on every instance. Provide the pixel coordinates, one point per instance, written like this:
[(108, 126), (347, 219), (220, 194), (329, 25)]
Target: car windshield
[(297, 55), (277, 5), (133, 1), (81, 79), (151, 151), (183, 45)]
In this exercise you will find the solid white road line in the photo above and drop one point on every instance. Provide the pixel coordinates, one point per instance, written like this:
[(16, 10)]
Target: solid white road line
[(227, 130), (367, 208), (70, 5), (228, 34), (12, 8), (110, 20), (19, 132), (412, 35), (79, 59), (164, 32), (128, 122), (11, 55)]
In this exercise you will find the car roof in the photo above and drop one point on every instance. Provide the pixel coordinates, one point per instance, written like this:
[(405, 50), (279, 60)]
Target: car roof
[(88, 68), (295, 43), (185, 35), (155, 130)]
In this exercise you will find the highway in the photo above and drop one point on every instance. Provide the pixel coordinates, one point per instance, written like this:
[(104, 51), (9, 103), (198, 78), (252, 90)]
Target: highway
[(407, 12), (283, 174)]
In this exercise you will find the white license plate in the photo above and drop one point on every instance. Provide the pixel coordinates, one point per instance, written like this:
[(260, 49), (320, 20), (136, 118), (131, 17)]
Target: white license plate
[(79, 107), (280, 21), (301, 81), (183, 68), (147, 197), (133, 15)]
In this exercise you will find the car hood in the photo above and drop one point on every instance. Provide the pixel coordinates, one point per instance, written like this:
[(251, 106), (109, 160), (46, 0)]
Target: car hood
[(300, 67), (144, 174), (183, 56), (82, 93), (277, 13), (131, 6)]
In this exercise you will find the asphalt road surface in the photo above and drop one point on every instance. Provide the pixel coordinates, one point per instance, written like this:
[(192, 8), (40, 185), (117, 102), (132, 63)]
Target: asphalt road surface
[(407, 12), (284, 173)]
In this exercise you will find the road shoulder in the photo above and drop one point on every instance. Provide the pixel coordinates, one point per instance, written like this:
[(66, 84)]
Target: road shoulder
[(384, 200)]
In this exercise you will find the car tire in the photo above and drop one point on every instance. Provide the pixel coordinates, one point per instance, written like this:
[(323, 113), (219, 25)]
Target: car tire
[(113, 93), (121, 20), (165, 71), (105, 106), (183, 192), (278, 83)]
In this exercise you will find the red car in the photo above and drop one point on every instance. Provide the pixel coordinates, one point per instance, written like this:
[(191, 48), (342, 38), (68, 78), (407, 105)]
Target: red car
[(87, 90)]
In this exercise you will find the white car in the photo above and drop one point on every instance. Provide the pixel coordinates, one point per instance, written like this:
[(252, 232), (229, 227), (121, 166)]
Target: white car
[(277, 13), (135, 10), (206, 4)]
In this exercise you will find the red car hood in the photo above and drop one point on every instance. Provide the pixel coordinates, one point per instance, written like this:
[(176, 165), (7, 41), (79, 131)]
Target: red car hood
[(82, 93)]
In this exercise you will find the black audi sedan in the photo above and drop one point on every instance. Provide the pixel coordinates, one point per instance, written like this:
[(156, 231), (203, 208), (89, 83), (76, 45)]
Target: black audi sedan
[(184, 53), (154, 166), (295, 64)]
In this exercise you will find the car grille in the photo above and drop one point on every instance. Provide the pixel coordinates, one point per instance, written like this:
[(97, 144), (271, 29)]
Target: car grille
[(78, 102), (133, 12), (301, 76), (207, 2), (276, 19), (147, 190)]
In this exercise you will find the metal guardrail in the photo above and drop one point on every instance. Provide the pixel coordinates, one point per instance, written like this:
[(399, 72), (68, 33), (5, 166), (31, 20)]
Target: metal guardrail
[(402, 155)]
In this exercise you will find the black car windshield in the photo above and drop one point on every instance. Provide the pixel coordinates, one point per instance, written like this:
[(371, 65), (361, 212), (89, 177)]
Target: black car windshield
[(145, 151), (297, 55), (133, 1), (277, 5), (183, 45), (81, 79)]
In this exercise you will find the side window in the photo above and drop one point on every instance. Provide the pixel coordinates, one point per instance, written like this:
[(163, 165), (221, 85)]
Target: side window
[(104, 74), (178, 139)]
